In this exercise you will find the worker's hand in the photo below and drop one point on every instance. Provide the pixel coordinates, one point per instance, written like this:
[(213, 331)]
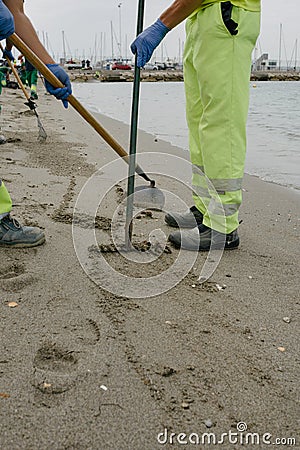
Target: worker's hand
[(7, 25), (147, 41), (8, 54), (60, 93)]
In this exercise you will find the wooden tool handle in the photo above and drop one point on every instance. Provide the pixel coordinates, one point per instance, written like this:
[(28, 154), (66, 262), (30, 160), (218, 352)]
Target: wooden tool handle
[(49, 76), (15, 72)]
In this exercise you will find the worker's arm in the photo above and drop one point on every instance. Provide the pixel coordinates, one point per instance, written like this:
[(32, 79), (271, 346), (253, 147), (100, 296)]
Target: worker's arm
[(25, 30), (147, 41), (179, 11)]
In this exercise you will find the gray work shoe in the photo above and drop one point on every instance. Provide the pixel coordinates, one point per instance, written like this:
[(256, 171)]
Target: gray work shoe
[(12, 234), (189, 219), (202, 238)]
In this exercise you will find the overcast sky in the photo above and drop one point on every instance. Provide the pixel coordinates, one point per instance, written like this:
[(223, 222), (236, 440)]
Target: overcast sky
[(82, 21)]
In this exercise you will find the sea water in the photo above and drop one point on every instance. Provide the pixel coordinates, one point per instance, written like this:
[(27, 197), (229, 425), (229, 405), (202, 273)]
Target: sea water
[(273, 125)]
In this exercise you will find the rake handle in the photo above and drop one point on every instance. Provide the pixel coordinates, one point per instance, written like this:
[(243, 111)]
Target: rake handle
[(49, 76), (16, 75)]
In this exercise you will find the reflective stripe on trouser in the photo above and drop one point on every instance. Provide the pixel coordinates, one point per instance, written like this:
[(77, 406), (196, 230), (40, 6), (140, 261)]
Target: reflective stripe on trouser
[(5, 200), (33, 88), (216, 74)]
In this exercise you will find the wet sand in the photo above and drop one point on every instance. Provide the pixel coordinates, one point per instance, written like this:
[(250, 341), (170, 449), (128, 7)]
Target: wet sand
[(83, 368)]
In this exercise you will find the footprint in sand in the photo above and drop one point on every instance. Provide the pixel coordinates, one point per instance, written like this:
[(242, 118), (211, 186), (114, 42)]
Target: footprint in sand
[(11, 271), (55, 359), (85, 331), (74, 327), (54, 373), (57, 368), (13, 277)]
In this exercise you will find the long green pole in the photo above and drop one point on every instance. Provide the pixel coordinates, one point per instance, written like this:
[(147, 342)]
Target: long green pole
[(133, 134)]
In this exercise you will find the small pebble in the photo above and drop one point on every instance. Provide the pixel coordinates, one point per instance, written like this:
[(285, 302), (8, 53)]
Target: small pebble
[(12, 304), (287, 319), (167, 371), (208, 423), (281, 349), (193, 285), (104, 388), (220, 288), (185, 405)]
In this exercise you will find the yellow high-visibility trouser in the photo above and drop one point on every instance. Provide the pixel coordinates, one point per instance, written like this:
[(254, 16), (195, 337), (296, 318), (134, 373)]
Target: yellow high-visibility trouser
[(5, 200), (217, 68)]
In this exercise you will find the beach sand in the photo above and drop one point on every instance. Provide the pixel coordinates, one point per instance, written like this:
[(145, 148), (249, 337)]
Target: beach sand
[(83, 368)]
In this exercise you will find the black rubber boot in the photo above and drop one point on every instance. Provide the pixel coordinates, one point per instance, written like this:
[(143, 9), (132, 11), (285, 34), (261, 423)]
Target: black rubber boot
[(189, 219), (202, 238)]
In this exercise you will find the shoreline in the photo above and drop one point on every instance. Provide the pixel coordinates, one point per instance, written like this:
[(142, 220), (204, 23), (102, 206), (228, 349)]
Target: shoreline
[(110, 76), (84, 368), (253, 134)]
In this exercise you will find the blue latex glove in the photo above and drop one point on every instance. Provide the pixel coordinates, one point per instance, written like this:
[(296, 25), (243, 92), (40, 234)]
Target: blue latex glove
[(147, 41), (60, 93), (8, 53), (7, 25)]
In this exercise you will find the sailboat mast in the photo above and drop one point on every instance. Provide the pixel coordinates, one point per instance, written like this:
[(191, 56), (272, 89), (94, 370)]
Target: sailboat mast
[(64, 45), (47, 41), (101, 49), (120, 30), (280, 38), (112, 40)]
